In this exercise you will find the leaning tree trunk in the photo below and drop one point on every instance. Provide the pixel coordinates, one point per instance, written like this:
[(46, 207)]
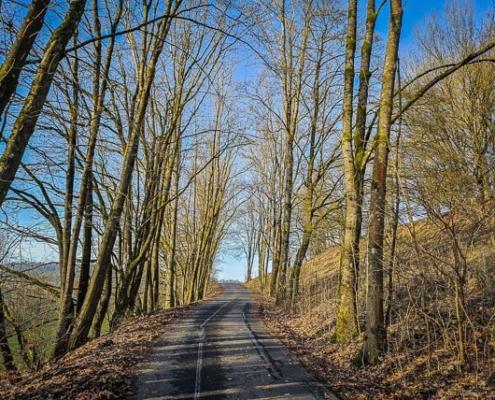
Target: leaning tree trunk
[(68, 265), (16, 59), (101, 312), (28, 117)]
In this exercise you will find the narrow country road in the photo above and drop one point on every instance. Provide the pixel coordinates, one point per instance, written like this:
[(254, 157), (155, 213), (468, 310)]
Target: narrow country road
[(221, 351)]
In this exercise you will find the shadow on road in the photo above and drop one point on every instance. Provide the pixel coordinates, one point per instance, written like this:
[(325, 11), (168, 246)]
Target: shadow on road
[(221, 351)]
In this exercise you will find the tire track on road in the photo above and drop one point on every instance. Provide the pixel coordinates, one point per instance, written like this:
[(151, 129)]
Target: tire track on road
[(201, 342), (221, 351), (265, 356)]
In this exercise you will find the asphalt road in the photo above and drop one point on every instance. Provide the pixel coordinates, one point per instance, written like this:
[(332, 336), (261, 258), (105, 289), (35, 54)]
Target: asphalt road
[(221, 351)]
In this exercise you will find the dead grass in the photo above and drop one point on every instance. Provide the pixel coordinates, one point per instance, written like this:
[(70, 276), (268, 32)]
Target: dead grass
[(423, 359), (404, 374)]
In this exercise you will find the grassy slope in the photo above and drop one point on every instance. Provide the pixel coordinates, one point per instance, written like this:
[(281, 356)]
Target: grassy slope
[(423, 359)]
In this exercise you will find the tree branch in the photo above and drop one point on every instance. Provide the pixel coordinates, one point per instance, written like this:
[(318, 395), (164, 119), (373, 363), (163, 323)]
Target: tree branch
[(453, 68)]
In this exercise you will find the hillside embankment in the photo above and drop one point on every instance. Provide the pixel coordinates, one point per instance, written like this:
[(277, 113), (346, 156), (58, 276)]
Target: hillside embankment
[(440, 291)]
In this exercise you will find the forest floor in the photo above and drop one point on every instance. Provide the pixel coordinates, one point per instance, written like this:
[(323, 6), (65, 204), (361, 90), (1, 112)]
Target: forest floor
[(104, 368), (405, 378)]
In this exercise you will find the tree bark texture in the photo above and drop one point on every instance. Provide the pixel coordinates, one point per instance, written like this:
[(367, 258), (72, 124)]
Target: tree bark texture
[(375, 337)]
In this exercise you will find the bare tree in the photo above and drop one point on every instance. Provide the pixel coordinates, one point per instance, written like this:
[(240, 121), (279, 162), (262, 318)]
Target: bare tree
[(69, 245), (290, 52), (146, 76), (319, 105), (16, 58), (356, 153)]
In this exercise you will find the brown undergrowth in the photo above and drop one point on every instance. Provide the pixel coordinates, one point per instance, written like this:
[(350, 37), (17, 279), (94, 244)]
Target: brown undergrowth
[(404, 373), (438, 301), (103, 368)]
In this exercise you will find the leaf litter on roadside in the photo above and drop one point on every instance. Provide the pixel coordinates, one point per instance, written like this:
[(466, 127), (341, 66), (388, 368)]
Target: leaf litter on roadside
[(101, 369), (332, 365)]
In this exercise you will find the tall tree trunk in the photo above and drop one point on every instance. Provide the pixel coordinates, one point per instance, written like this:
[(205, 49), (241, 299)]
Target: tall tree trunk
[(276, 254), (311, 179), (262, 253), (375, 338), (293, 75), (346, 327), (70, 174), (354, 151), (172, 263), (87, 246), (155, 276)]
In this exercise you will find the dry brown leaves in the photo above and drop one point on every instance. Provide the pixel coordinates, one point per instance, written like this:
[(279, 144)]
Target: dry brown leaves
[(103, 368), (331, 365)]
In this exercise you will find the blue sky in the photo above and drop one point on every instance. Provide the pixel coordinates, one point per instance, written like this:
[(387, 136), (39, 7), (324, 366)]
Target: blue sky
[(415, 13)]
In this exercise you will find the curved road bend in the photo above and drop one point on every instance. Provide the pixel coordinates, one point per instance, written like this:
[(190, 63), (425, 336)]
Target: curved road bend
[(221, 351)]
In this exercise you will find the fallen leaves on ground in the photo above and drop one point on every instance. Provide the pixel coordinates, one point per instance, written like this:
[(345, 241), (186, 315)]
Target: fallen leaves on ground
[(106, 367), (395, 378), (102, 369)]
